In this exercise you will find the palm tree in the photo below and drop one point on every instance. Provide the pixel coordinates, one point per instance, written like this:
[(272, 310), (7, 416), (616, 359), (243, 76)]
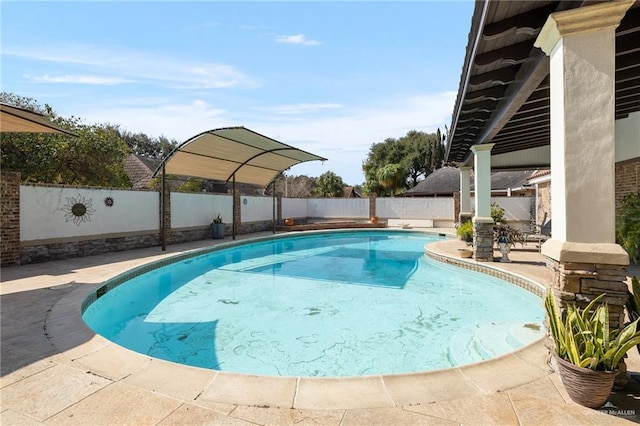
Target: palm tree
[(391, 177)]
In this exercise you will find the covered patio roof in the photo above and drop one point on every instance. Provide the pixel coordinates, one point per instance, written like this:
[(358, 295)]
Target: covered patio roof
[(504, 87), (19, 120), (223, 153)]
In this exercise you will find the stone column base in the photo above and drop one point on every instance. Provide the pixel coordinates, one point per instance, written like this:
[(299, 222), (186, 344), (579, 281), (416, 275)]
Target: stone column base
[(582, 271), (483, 239)]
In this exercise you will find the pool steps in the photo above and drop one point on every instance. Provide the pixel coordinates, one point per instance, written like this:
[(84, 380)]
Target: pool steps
[(489, 340)]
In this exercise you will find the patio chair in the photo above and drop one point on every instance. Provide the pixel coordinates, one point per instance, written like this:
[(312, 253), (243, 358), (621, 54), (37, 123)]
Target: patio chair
[(538, 233)]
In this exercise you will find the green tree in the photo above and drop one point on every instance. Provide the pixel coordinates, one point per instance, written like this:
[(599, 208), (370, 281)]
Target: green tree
[(329, 185), (141, 144), (94, 157), (391, 177), (191, 185), (416, 153)]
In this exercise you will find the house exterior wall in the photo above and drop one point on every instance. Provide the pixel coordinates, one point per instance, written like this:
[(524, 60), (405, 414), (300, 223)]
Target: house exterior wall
[(628, 137), (627, 179), (543, 203)]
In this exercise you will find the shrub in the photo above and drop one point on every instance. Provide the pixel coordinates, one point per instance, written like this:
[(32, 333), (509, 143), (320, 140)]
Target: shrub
[(628, 229), (465, 231), (497, 213)]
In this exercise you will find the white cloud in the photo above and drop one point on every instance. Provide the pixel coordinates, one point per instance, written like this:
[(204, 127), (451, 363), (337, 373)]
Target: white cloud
[(300, 108), (79, 79), (167, 71), (297, 39), (343, 140), (157, 117)]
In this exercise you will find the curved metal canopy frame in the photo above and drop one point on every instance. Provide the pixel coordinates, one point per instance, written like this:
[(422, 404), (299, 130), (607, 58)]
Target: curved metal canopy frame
[(231, 153), (223, 153)]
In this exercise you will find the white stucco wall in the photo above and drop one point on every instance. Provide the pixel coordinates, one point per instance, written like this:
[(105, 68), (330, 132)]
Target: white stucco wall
[(46, 212), (294, 207), (515, 208), (255, 209), (356, 208), (415, 208), (188, 210), (628, 137)]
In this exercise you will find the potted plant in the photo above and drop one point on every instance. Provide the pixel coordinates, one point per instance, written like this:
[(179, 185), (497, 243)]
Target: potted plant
[(465, 232), (506, 237), (587, 352), (217, 227)]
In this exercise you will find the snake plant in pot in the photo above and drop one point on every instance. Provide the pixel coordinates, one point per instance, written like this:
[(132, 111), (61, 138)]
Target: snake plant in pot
[(587, 351)]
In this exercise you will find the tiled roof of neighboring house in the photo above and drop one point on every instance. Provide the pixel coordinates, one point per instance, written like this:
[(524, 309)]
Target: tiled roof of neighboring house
[(511, 179), (350, 192), (446, 181), (540, 173), (140, 170)]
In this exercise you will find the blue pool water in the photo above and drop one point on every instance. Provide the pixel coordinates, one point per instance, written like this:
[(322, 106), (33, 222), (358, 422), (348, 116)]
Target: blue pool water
[(329, 304)]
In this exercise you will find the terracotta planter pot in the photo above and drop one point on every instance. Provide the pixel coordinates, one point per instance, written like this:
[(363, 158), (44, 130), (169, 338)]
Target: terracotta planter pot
[(586, 387), (374, 219), (289, 221)]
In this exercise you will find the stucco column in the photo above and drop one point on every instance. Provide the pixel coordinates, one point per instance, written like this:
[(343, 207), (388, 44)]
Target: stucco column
[(465, 194), (581, 46), (482, 221)]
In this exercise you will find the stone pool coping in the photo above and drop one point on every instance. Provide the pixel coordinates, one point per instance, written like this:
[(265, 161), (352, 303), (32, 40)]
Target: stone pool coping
[(68, 333), (96, 382)]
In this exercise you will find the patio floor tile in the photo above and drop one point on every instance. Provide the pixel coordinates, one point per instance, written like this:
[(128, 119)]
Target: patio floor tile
[(535, 412), (171, 379), (118, 404), (391, 416), (48, 392), (188, 414), (429, 387), (251, 390), (10, 417), (493, 409), (337, 393), (113, 362), (284, 416)]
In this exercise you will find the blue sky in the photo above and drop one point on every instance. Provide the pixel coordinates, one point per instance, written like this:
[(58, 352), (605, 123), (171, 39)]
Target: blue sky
[(331, 78)]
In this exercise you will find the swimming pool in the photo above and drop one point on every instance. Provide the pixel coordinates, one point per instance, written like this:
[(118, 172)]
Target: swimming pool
[(318, 305)]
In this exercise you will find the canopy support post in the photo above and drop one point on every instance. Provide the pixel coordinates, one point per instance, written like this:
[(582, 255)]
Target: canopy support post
[(273, 204), (233, 204), (163, 240)]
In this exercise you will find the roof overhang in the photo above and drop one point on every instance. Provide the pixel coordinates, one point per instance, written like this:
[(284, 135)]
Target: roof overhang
[(19, 120), (221, 154), (504, 88)]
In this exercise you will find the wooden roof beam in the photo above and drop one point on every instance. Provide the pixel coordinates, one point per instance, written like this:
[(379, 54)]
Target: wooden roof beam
[(512, 54), (499, 76), (528, 23), (494, 93)]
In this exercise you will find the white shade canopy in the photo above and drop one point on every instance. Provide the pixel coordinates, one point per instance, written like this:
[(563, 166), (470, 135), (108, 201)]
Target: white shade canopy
[(19, 120), (220, 153)]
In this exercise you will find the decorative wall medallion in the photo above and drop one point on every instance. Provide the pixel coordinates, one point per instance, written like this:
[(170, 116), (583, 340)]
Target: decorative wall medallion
[(78, 209), (108, 201)]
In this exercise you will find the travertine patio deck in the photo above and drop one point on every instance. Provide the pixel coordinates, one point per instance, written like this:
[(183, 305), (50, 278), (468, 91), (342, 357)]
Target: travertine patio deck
[(54, 370)]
